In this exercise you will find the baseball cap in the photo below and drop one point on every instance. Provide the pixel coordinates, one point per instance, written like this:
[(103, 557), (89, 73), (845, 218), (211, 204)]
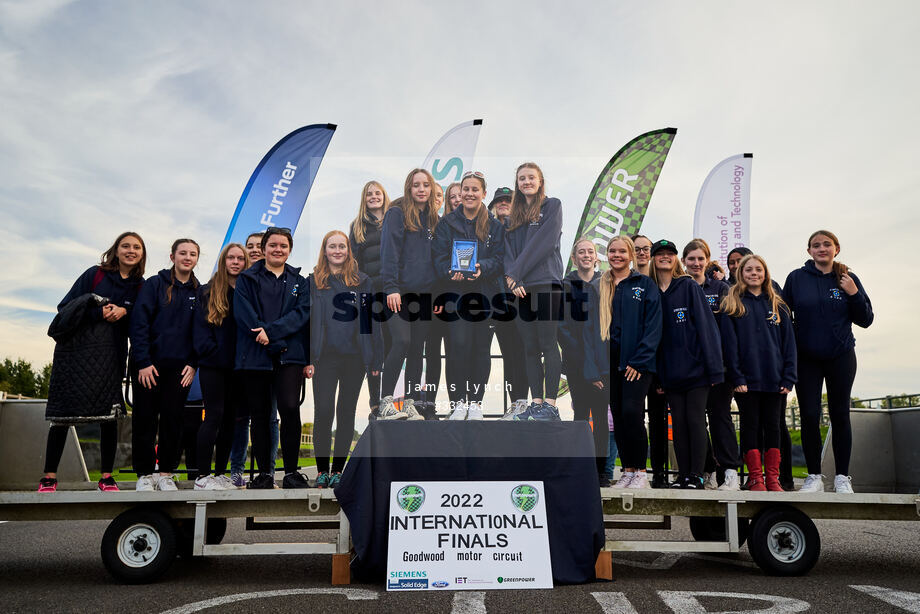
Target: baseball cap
[(501, 194)]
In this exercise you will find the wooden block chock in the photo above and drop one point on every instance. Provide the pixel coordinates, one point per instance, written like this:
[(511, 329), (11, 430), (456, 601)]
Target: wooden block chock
[(341, 569), (603, 568)]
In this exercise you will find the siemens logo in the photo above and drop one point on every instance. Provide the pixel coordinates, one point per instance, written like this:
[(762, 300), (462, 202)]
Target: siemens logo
[(408, 574)]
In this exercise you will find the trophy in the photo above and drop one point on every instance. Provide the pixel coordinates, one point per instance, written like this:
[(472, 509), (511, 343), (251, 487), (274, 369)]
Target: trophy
[(463, 257)]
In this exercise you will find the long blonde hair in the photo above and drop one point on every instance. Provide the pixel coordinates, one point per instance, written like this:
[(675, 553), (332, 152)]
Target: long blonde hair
[(521, 212), (608, 286), (358, 226), (411, 215), (482, 214), (448, 208), (677, 270), (731, 303), (218, 307), (322, 271)]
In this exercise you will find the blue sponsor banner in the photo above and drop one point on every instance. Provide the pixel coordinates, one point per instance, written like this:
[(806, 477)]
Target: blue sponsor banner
[(278, 189)]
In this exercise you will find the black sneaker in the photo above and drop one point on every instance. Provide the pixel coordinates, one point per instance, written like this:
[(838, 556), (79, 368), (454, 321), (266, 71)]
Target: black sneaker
[(678, 482), (427, 409), (693, 482), (660, 481), (263, 481), (604, 480), (295, 480)]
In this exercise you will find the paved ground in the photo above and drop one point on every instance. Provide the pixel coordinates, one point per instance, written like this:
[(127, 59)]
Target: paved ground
[(55, 567)]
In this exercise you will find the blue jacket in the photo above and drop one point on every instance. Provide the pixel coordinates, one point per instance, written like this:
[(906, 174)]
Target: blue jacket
[(823, 313), (161, 333), (490, 253), (690, 353), (532, 253), (348, 305), (759, 352), (714, 290), (214, 345), (119, 291), (288, 336), (572, 331), (635, 327), (405, 257)]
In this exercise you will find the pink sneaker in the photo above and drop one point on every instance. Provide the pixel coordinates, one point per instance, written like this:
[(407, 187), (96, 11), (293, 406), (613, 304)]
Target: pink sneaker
[(108, 484), (47, 485)]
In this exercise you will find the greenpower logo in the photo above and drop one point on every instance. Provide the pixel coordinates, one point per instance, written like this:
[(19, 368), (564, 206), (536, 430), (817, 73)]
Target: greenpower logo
[(410, 498), (500, 579), (524, 497)]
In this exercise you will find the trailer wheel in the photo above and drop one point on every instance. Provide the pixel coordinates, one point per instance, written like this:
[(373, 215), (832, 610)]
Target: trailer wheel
[(712, 529), (215, 530), (784, 541), (139, 545)]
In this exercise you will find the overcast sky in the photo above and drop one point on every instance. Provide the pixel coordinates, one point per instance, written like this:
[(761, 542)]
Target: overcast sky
[(151, 117)]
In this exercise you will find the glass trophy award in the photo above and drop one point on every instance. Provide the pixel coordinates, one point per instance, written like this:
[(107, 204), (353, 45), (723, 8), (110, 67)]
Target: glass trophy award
[(463, 257)]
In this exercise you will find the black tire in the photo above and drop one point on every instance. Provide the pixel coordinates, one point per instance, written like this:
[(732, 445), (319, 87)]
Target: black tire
[(185, 534), (784, 541), (712, 529), (139, 545)]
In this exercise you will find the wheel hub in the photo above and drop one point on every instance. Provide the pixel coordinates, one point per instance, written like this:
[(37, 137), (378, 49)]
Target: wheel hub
[(138, 545), (786, 542)]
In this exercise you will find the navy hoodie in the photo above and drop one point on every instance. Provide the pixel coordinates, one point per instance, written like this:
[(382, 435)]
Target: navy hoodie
[(532, 253), (368, 253), (690, 353), (405, 257), (120, 291), (823, 313), (335, 322), (759, 351), (489, 253), (288, 335), (572, 331), (635, 327), (714, 290), (161, 333), (214, 345)]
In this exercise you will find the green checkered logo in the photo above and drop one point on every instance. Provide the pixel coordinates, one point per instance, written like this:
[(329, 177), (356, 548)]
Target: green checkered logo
[(410, 498), (524, 497)]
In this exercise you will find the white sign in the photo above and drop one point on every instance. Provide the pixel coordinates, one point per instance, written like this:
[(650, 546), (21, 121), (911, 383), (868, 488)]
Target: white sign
[(467, 536), (723, 208), (453, 154)]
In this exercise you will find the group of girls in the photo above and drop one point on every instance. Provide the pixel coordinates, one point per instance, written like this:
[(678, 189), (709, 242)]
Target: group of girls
[(686, 340)]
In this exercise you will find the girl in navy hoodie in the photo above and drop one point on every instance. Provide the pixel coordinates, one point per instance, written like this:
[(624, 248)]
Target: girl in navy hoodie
[(724, 448), (118, 277), (689, 360), (760, 353), (468, 361), (533, 267), (407, 271), (271, 306), (340, 353), (214, 336), (621, 338), (163, 365), (826, 299)]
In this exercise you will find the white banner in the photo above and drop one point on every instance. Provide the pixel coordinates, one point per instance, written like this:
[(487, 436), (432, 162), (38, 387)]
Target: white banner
[(723, 208), (453, 154), (467, 536)]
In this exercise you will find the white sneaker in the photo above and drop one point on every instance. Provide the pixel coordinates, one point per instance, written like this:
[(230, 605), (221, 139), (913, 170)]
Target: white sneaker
[(813, 483), (388, 410), (225, 481), (843, 485), (460, 411), (731, 481), (710, 481), (145, 484), (516, 408), (474, 411), (208, 482), (410, 411), (166, 482), (625, 479), (640, 480)]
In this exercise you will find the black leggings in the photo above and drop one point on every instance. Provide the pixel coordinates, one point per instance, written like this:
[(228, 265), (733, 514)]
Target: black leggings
[(57, 438), (627, 405), (839, 374), (760, 414), (541, 306), (468, 363), (510, 345), (588, 400), (408, 341), (373, 381), (688, 411), (721, 427), (221, 392), (657, 427), (157, 421), (345, 372), (437, 331), (285, 381)]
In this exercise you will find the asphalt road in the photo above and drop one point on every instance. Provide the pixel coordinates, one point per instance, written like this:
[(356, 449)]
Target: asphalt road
[(56, 567)]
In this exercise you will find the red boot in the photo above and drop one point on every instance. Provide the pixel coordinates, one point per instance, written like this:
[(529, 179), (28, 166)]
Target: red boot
[(772, 467), (755, 474)]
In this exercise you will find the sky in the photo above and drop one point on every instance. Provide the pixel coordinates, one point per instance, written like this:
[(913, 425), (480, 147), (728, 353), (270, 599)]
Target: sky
[(152, 116)]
